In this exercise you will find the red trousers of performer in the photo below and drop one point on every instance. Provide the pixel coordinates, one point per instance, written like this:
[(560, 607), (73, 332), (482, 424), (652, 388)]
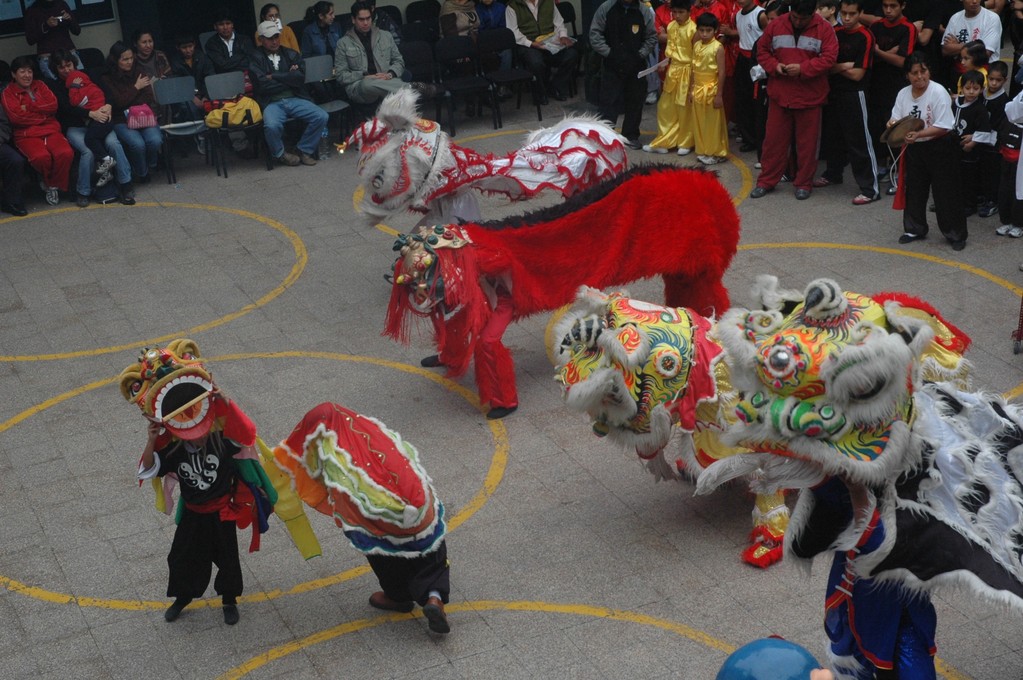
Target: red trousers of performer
[(784, 125), (495, 370), (51, 156)]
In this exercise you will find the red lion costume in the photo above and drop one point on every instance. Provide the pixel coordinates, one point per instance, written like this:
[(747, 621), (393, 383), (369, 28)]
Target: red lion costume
[(474, 279)]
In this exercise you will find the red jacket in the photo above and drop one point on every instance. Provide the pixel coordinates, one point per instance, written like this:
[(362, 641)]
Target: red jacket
[(31, 116), (815, 49)]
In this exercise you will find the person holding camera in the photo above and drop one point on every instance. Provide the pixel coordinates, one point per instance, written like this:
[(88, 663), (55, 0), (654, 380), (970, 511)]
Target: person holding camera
[(49, 25)]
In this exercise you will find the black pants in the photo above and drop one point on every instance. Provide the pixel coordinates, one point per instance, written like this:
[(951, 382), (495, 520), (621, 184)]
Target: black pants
[(1010, 210), (745, 114), (410, 579), (880, 101), (849, 142), (970, 172), (201, 541), (933, 167), (622, 93), (990, 173), (12, 171), (563, 66)]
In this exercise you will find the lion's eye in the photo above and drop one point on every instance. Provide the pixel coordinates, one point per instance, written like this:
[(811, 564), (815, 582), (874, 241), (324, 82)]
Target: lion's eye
[(378, 181), (135, 388), (858, 380)]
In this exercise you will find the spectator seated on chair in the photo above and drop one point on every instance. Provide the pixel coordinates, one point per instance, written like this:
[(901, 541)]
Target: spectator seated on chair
[(279, 78), (128, 85), (539, 29)]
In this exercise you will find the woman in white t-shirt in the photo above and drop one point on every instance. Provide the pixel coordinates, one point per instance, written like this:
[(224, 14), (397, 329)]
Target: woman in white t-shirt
[(931, 160)]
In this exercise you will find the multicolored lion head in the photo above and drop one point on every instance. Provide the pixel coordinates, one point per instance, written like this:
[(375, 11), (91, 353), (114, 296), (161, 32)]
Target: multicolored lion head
[(831, 381), (635, 368), (166, 378), (398, 152)]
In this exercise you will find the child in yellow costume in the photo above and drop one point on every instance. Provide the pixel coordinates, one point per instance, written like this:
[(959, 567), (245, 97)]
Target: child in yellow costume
[(674, 111), (710, 130)]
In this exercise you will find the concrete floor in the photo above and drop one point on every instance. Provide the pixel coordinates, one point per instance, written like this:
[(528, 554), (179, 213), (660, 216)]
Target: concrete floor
[(568, 560)]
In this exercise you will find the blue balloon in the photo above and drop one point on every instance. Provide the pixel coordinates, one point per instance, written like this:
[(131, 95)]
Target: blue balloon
[(768, 659)]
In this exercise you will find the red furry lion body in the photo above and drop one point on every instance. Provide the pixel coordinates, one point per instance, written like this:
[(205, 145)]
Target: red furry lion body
[(652, 220)]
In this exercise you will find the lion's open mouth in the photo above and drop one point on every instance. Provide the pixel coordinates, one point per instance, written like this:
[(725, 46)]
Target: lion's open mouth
[(177, 393)]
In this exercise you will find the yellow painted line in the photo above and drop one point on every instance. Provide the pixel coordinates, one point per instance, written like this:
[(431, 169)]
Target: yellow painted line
[(301, 257), (498, 464), (694, 634), (747, 179)]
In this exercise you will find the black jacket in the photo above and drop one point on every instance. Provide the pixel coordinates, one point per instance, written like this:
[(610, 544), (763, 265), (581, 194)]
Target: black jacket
[(282, 82)]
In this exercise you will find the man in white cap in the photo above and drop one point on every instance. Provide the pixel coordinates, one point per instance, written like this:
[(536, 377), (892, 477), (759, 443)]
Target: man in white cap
[(278, 75)]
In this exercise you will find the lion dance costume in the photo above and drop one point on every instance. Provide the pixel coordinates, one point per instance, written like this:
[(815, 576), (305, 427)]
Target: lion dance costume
[(356, 470), (207, 446), (908, 479), (472, 280), (640, 371), (408, 163)]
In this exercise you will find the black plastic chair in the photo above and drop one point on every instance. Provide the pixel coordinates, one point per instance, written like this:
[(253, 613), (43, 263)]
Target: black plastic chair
[(420, 31), (393, 12), (206, 35), (460, 75), (418, 58), (298, 28), (490, 44), (567, 11), (170, 91), (321, 69), (5, 72), (224, 86), (427, 11), (92, 58), (344, 22)]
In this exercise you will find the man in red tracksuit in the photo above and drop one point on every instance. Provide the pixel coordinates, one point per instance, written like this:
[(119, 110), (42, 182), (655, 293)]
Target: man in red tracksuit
[(797, 50)]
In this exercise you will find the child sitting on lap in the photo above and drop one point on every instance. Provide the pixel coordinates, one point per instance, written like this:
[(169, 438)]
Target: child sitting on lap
[(84, 93)]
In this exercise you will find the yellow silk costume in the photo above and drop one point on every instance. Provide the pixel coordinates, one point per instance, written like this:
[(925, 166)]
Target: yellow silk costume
[(674, 119), (710, 130)]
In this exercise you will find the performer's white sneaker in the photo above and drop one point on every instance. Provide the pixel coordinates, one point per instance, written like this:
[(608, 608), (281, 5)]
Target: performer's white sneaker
[(684, 152), (654, 149)]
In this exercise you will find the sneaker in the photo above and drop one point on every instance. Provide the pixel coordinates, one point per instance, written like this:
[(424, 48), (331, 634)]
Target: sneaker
[(1004, 230), (863, 199), (987, 209), (909, 238), (82, 201), (785, 178), (701, 158), (958, 245), (174, 611), (200, 144), (892, 190), (684, 152), (289, 159), (104, 179), (380, 600), (713, 160), (757, 165), (231, 615), (1015, 232), (654, 149), (651, 98), (105, 165), (633, 144), (52, 195), (498, 412), (306, 159)]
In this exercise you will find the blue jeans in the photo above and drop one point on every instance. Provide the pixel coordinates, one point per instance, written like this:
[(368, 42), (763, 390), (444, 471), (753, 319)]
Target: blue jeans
[(86, 162), (293, 108), (142, 147)]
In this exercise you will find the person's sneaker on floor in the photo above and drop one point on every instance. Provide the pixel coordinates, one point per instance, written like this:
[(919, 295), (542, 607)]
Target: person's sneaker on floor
[(174, 611), (104, 179), (82, 201), (1003, 230), (713, 160), (682, 151), (288, 159), (987, 209), (498, 412), (380, 600), (306, 159), (105, 165), (1015, 232), (651, 98), (231, 615), (757, 165), (200, 144), (785, 178), (52, 195), (654, 149)]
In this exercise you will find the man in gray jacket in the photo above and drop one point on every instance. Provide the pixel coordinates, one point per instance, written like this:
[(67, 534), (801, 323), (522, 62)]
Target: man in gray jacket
[(367, 62)]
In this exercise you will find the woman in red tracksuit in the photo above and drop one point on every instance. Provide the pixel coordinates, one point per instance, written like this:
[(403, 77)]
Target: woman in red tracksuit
[(32, 108), (797, 50)]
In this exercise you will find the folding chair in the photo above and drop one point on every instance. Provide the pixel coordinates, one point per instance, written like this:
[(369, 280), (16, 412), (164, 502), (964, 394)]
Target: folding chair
[(170, 91), (418, 58), (419, 31), (393, 12), (427, 11), (225, 86), (92, 57), (321, 69), (491, 43), (460, 74)]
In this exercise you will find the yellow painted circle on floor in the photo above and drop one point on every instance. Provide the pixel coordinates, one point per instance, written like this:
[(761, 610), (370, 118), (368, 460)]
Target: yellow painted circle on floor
[(301, 256)]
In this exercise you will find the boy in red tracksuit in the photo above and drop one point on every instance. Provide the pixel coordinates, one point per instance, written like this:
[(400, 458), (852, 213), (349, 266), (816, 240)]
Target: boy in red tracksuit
[(797, 50)]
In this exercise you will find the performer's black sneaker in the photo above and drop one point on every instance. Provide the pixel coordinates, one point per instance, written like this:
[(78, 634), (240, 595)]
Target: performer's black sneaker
[(432, 361), (500, 412), (231, 615), (174, 611)]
